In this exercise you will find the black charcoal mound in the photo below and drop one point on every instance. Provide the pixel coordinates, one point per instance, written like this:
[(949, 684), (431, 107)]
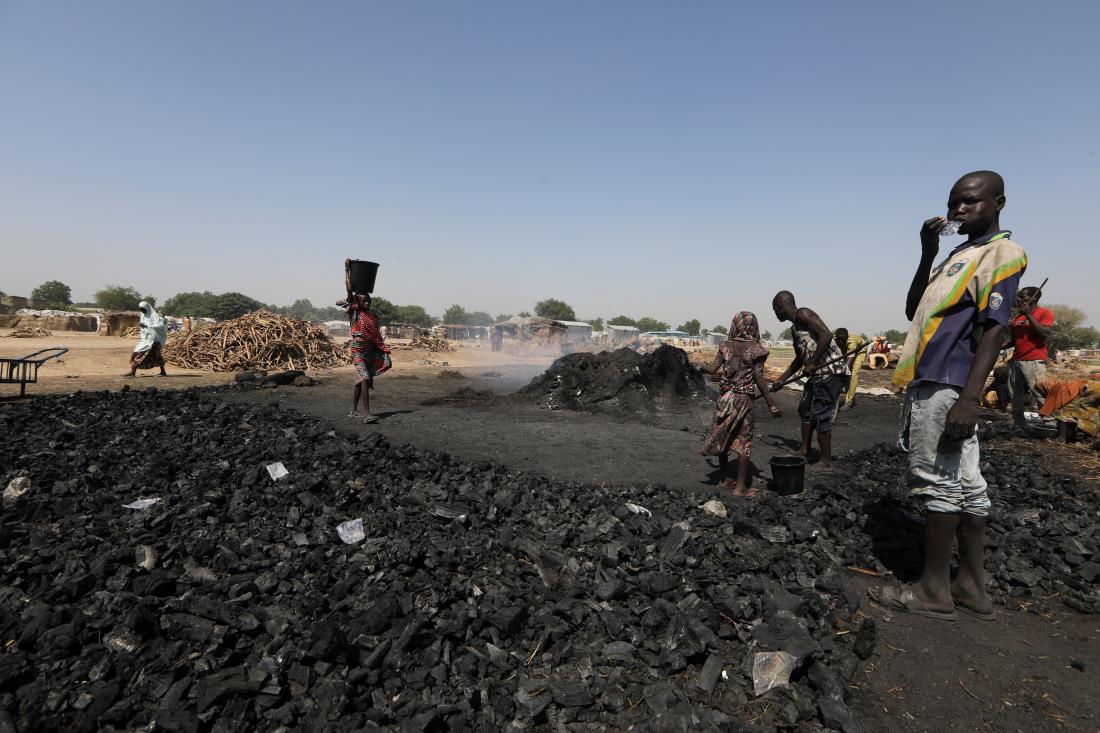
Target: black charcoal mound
[(619, 381), (480, 598)]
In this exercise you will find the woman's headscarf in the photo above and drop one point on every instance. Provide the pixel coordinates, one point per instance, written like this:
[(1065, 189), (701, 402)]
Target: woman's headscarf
[(154, 328), (744, 327)]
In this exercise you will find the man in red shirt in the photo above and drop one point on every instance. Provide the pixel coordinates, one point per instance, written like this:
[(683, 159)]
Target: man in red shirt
[(1030, 330)]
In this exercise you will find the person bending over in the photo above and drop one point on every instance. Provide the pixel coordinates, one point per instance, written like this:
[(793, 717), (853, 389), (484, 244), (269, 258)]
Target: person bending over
[(823, 365)]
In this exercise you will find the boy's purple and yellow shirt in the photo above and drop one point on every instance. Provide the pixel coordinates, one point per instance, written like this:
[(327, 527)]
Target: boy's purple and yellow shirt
[(974, 285)]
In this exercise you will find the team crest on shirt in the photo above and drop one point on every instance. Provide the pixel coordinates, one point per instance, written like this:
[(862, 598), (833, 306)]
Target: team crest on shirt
[(954, 269), (995, 301)]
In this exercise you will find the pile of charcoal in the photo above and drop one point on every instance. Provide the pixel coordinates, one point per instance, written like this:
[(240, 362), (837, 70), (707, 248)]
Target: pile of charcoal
[(1043, 534), (619, 381), (173, 562)]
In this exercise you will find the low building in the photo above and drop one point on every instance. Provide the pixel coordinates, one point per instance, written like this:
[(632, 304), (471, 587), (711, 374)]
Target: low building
[(459, 332), (619, 334), (337, 328), (576, 332), (715, 338)]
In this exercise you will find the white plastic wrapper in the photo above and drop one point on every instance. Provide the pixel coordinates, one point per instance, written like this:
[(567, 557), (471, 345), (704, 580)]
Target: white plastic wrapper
[(351, 531), (771, 669), (638, 509), (142, 504), (951, 228), (277, 471)]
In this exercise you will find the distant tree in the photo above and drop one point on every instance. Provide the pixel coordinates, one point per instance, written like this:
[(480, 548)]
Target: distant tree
[(384, 310), (118, 298), (1070, 331), (596, 324), (767, 335), (524, 314), (651, 324), (234, 305), (894, 336), (691, 327), (718, 329), (787, 335), (456, 314), (622, 321), (198, 305), (53, 295), (555, 310), (415, 315), (479, 318), (503, 317)]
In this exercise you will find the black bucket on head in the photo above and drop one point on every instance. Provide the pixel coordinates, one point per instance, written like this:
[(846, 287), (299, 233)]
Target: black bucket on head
[(363, 274), (789, 474)]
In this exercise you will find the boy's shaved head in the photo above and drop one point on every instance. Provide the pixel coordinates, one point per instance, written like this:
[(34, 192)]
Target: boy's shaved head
[(991, 180)]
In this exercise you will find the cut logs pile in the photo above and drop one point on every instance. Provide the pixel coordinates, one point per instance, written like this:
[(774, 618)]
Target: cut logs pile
[(29, 332), (430, 343), (256, 341)]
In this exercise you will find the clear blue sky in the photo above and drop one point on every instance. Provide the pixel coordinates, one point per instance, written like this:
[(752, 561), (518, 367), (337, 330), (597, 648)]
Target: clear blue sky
[(677, 160)]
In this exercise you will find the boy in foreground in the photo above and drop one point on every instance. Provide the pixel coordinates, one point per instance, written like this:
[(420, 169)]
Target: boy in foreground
[(960, 312)]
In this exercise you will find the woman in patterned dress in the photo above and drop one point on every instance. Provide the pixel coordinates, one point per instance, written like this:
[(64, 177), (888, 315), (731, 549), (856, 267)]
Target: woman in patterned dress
[(369, 353), (740, 369)]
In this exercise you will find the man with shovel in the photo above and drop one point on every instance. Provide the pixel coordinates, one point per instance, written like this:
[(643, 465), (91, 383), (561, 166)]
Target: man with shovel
[(826, 371), (960, 311)]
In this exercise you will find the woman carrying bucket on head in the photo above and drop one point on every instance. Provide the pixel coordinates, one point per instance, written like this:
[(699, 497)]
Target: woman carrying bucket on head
[(369, 353), (740, 369)]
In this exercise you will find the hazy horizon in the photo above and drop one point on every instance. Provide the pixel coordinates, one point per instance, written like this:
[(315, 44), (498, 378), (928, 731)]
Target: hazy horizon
[(632, 159)]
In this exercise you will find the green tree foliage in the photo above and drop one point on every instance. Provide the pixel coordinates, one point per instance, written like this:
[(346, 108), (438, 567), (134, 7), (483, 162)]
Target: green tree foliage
[(305, 310), (233, 305), (1070, 331), (646, 323), (788, 335), (555, 310), (53, 295), (622, 321), (596, 324), (524, 314), (192, 304), (894, 336), (503, 317), (118, 298), (456, 314), (415, 315), (766, 336), (719, 329), (690, 327)]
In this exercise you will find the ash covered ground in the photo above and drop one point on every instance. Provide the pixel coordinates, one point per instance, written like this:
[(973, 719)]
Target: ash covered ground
[(481, 598)]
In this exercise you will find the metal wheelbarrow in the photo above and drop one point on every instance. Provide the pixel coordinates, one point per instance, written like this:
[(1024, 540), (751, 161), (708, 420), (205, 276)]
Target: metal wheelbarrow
[(24, 370)]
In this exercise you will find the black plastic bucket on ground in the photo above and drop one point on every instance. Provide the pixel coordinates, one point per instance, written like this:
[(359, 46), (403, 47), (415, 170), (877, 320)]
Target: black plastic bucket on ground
[(363, 275), (788, 474)]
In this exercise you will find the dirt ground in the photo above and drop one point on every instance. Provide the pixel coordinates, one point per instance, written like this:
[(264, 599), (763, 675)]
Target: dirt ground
[(1022, 672)]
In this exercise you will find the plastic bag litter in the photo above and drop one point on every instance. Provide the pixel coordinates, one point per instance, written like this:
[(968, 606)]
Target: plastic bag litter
[(351, 531), (16, 488), (638, 509), (714, 507), (142, 504), (277, 471), (771, 669)]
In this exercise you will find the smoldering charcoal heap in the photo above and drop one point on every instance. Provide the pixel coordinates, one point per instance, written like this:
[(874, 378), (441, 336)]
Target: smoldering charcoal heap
[(620, 381), (480, 599)]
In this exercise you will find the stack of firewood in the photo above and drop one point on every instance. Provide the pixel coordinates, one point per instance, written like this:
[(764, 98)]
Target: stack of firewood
[(430, 343), (256, 341)]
